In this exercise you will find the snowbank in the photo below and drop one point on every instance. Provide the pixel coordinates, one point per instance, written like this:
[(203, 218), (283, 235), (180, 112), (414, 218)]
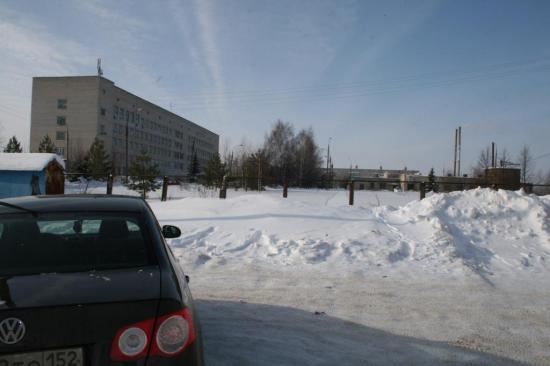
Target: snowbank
[(479, 230)]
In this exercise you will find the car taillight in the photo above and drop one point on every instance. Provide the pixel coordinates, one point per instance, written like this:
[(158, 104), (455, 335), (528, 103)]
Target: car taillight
[(131, 342), (174, 332)]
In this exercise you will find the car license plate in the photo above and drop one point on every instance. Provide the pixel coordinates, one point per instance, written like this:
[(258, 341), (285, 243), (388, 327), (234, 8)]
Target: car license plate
[(63, 357)]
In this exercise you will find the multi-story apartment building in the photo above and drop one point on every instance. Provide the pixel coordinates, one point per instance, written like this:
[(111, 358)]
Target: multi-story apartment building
[(75, 110)]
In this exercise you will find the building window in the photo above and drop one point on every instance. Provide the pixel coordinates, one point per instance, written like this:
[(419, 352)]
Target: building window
[(62, 104), (60, 151), (60, 135), (103, 112), (61, 121), (102, 130)]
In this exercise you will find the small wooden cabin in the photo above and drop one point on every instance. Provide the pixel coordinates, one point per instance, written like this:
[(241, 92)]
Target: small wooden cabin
[(25, 174)]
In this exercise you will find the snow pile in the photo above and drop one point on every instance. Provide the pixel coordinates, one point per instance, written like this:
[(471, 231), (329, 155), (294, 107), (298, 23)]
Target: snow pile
[(28, 161), (479, 230), (486, 230)]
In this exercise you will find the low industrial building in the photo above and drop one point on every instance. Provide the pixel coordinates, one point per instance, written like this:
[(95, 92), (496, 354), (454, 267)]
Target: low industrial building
[(375, 179), (25, 174), (409, 180)]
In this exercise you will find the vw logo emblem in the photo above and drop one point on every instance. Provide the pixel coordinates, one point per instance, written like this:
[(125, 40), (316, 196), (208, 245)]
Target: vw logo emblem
[(12, 330)]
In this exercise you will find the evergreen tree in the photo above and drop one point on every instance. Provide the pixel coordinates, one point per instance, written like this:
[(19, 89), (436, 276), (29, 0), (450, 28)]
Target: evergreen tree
[(13, 146), (98, 166), (214, 171), (143, 175), (80, 165), (46, 145), (431, 186)]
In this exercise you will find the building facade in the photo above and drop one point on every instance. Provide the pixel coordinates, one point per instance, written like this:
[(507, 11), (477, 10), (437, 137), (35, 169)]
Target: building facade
[(75, 110)]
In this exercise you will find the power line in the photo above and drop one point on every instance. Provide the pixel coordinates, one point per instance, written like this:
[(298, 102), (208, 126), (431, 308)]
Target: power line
[(542, 156), (336, 86), (324, 94)]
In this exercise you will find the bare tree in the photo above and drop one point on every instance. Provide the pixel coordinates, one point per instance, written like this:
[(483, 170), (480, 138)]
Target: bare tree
[(526, 164), (227, 154), (280, 149), (483, 162), (504, 158)]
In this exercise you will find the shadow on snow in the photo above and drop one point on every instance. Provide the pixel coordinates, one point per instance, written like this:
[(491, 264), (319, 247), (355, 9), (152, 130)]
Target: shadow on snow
[(238, 333)]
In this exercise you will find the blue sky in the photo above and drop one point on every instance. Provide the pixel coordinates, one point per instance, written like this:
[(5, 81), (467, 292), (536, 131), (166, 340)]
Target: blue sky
[(388, 80)]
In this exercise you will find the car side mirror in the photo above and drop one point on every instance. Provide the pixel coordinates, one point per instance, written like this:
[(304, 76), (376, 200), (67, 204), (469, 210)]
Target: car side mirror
[(171, 231)]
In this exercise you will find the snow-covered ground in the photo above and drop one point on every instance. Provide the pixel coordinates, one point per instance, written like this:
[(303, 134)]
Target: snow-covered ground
[(459, 278)]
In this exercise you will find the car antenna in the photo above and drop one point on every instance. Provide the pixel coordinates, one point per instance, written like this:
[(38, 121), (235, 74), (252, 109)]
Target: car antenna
[(34, 213)]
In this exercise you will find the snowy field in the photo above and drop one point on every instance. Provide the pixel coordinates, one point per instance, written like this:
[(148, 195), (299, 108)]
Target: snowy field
[(460, 278)]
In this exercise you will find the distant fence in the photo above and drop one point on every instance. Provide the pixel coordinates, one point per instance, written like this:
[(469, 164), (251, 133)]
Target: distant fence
[(351, 185)]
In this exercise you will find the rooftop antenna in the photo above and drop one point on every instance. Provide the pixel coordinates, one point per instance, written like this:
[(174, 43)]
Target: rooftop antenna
[(99, 70)]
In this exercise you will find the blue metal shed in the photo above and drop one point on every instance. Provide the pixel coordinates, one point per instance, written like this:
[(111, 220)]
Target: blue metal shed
[(24, 174)]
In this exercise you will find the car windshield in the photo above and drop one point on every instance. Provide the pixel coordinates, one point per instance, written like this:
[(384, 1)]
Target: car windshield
[(71, 242)]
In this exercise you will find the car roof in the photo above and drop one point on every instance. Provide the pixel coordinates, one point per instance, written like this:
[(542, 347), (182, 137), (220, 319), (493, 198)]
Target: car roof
[(75, 203)]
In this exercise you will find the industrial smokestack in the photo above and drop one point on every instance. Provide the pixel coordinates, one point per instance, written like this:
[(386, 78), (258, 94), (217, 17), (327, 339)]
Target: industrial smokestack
[(454, 161), (459, 148)]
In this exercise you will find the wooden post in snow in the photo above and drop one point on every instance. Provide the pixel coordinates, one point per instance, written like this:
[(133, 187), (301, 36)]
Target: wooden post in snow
[(351, 192), (164, 188), (110, 184)]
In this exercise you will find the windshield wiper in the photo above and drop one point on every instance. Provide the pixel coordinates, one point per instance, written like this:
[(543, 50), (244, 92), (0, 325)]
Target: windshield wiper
[(34, 213)]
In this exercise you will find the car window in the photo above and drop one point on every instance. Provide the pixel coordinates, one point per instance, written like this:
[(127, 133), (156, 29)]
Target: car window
[(72, 242)]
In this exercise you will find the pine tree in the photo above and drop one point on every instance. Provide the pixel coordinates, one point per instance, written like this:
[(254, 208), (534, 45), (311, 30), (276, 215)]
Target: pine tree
[(98, 166), (13, 146), (46, 145), (431, 186), (214, 171), (142, 175)]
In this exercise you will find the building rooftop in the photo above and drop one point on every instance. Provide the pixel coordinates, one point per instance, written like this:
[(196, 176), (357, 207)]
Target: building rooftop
[(28, 161)]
